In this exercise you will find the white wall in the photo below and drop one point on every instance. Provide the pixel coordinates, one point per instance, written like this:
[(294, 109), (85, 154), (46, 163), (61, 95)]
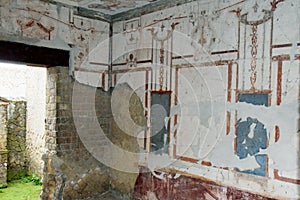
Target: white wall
[(13, 81), (207, 90)]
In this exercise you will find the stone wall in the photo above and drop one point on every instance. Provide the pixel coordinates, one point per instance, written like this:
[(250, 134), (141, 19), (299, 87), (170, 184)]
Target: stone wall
[(19, 82), (238, 59), (3, 143), (70, 172), (16, 140), (3, 167), (13, 163), (80, 137)]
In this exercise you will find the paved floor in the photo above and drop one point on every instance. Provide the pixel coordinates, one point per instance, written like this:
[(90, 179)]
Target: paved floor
[(109, 196)]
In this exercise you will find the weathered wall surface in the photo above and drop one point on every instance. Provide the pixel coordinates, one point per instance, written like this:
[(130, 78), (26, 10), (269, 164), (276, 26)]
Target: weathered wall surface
[(56, 26), (124, 135), (3, 142), (35, 121), (13, 82), (17, 165), (233, 71), (22, 83), (185, 187), (70, 172), (81, 136)]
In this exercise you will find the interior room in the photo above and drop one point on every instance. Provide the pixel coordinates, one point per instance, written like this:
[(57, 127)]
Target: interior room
[(157, 99)]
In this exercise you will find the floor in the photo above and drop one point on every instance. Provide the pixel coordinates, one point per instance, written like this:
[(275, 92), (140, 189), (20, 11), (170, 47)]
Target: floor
[(111, 195)]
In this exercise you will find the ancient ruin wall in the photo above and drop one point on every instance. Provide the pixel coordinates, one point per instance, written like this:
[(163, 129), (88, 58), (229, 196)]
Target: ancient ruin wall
[(70, 172), (16, 140), (3, 143), (77, 152)]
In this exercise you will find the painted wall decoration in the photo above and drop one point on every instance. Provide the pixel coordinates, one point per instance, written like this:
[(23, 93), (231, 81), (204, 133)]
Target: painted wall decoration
[(231, 70), (224, 92), (252, 136)]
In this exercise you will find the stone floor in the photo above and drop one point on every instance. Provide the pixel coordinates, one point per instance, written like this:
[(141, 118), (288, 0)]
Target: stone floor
[(111, 195)]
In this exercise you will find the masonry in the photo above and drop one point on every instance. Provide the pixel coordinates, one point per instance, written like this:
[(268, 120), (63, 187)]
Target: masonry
[(71, 171), (16, 140), (170, 100), (3, 144), (13, 140)]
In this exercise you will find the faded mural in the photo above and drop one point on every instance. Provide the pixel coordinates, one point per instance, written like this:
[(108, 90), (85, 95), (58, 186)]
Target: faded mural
[(218, 81), (232, 77)]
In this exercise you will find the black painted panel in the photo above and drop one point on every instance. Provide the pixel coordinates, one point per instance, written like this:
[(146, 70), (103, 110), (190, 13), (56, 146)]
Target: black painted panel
[(160, 111)]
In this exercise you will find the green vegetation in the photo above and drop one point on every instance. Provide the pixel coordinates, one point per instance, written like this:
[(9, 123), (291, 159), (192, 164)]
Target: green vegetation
[(27, 188), (32, 178)]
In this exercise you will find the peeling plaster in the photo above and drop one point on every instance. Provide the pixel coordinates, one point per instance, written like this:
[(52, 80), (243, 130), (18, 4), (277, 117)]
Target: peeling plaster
[(223, 155), (285, 116), (206, 143)]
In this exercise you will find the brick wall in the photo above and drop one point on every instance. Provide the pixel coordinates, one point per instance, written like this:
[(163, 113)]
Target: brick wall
[(80, 136), (71, 172)]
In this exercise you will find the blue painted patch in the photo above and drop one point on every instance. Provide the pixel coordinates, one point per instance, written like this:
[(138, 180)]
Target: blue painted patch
[(252, 135), (261, 171), (255, 99), (248, 143)]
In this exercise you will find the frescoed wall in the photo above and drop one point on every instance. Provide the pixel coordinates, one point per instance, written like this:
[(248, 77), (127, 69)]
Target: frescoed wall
[(232, 71), (218, 82)]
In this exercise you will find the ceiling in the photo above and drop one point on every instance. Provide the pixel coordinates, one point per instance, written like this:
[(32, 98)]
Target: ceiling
[(110, 7), (115, 10)]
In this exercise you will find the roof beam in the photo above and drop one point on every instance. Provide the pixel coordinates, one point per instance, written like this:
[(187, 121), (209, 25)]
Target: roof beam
[(126, 15), (33, 55), (149, 8)]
